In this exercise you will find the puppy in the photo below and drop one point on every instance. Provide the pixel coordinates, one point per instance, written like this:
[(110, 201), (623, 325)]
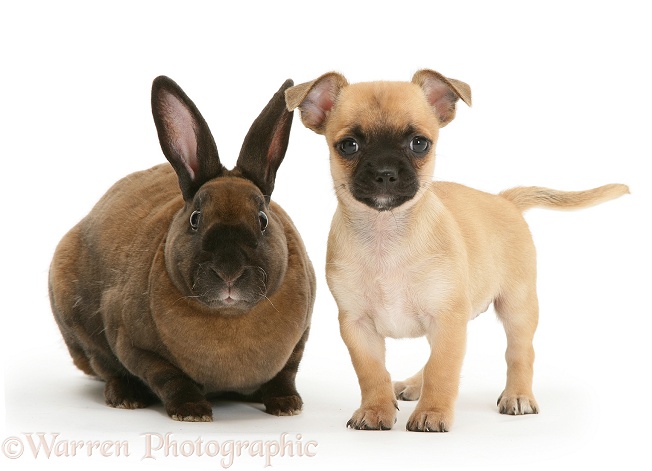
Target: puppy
[(409, 257)]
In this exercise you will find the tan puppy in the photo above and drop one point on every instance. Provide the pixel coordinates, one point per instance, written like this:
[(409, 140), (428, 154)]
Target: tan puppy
[(409, 257)]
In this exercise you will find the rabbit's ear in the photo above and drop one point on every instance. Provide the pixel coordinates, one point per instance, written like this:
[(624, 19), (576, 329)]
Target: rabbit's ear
[(264, 146), (185, 138)]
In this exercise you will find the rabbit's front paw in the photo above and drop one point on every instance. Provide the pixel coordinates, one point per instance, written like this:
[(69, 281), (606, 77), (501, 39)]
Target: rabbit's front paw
[(284, 405), (199, 411)]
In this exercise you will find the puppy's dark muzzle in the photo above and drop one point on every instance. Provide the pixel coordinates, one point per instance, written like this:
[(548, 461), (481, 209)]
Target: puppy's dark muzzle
[(386, 178), (384, 185)]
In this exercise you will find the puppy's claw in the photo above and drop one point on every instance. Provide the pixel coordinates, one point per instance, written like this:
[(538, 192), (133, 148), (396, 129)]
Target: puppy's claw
[(364, 426), (517, 404), (373, 418), (429, 421), (384, 427)]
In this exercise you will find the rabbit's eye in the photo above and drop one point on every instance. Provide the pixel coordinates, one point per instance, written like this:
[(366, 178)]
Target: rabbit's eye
[(194, 220), (262, 217)]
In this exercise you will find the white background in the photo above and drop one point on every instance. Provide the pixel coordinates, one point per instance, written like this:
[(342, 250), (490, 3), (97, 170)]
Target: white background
[(561, 98)]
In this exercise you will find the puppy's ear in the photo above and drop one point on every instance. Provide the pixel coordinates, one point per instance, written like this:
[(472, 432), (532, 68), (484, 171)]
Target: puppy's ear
[(442, 93), (185, 138), (315, 99), (264, 146)]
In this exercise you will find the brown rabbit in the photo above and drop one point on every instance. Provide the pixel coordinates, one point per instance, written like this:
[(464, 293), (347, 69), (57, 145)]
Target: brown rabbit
[(175, 295)]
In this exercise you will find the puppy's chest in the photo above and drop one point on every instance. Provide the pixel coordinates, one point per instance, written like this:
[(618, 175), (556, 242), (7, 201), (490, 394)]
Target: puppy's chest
[(392, 306), (383, 283)]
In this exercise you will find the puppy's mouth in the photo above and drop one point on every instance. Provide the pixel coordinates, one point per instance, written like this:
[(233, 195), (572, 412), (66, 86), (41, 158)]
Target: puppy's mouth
[(384, 202), (382, 197)]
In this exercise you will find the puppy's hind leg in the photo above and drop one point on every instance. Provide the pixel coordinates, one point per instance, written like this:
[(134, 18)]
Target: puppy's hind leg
[(410, 388), (519, 314)]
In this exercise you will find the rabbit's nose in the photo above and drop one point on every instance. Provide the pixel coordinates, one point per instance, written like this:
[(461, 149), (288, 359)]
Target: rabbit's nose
[(228, 274)]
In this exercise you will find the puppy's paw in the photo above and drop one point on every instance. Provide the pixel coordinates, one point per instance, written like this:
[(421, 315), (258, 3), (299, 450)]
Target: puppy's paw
[(199, 411), (284, 405), (429, 421), (405, 391), (128, 393), (380, 417), (517, 404)]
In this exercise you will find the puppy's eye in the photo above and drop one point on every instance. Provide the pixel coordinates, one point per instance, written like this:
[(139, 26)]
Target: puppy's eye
[(419, 144), (194, 220), (348, 146), (264, 221)]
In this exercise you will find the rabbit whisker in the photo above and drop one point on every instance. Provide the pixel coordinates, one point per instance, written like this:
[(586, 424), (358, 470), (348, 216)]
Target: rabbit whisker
[(261, 270), (270, 302)]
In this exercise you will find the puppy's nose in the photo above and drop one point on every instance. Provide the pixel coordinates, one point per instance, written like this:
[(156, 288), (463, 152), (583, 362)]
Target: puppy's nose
[(386, 175)]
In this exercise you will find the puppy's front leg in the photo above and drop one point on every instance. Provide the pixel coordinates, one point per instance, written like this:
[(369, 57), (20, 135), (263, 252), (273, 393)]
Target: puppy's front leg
[(441, 375), (367, 349)]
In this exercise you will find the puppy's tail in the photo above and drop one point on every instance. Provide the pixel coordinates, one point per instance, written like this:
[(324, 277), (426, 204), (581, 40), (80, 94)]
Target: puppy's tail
[(526, 197)]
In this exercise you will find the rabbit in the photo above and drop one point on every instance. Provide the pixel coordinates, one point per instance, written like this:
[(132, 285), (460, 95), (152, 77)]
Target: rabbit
[(174, 296)]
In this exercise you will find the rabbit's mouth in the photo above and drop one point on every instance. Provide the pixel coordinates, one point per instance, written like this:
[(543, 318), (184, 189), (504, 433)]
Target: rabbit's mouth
[(231, 296), (228, 297), (241, 292), (232, 301)]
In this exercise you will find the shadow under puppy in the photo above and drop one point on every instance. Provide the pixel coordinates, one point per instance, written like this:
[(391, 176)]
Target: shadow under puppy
[(170, 295), (410, 257)]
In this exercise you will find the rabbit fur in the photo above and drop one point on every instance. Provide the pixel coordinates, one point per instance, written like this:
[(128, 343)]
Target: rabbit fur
[(176, 295)]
